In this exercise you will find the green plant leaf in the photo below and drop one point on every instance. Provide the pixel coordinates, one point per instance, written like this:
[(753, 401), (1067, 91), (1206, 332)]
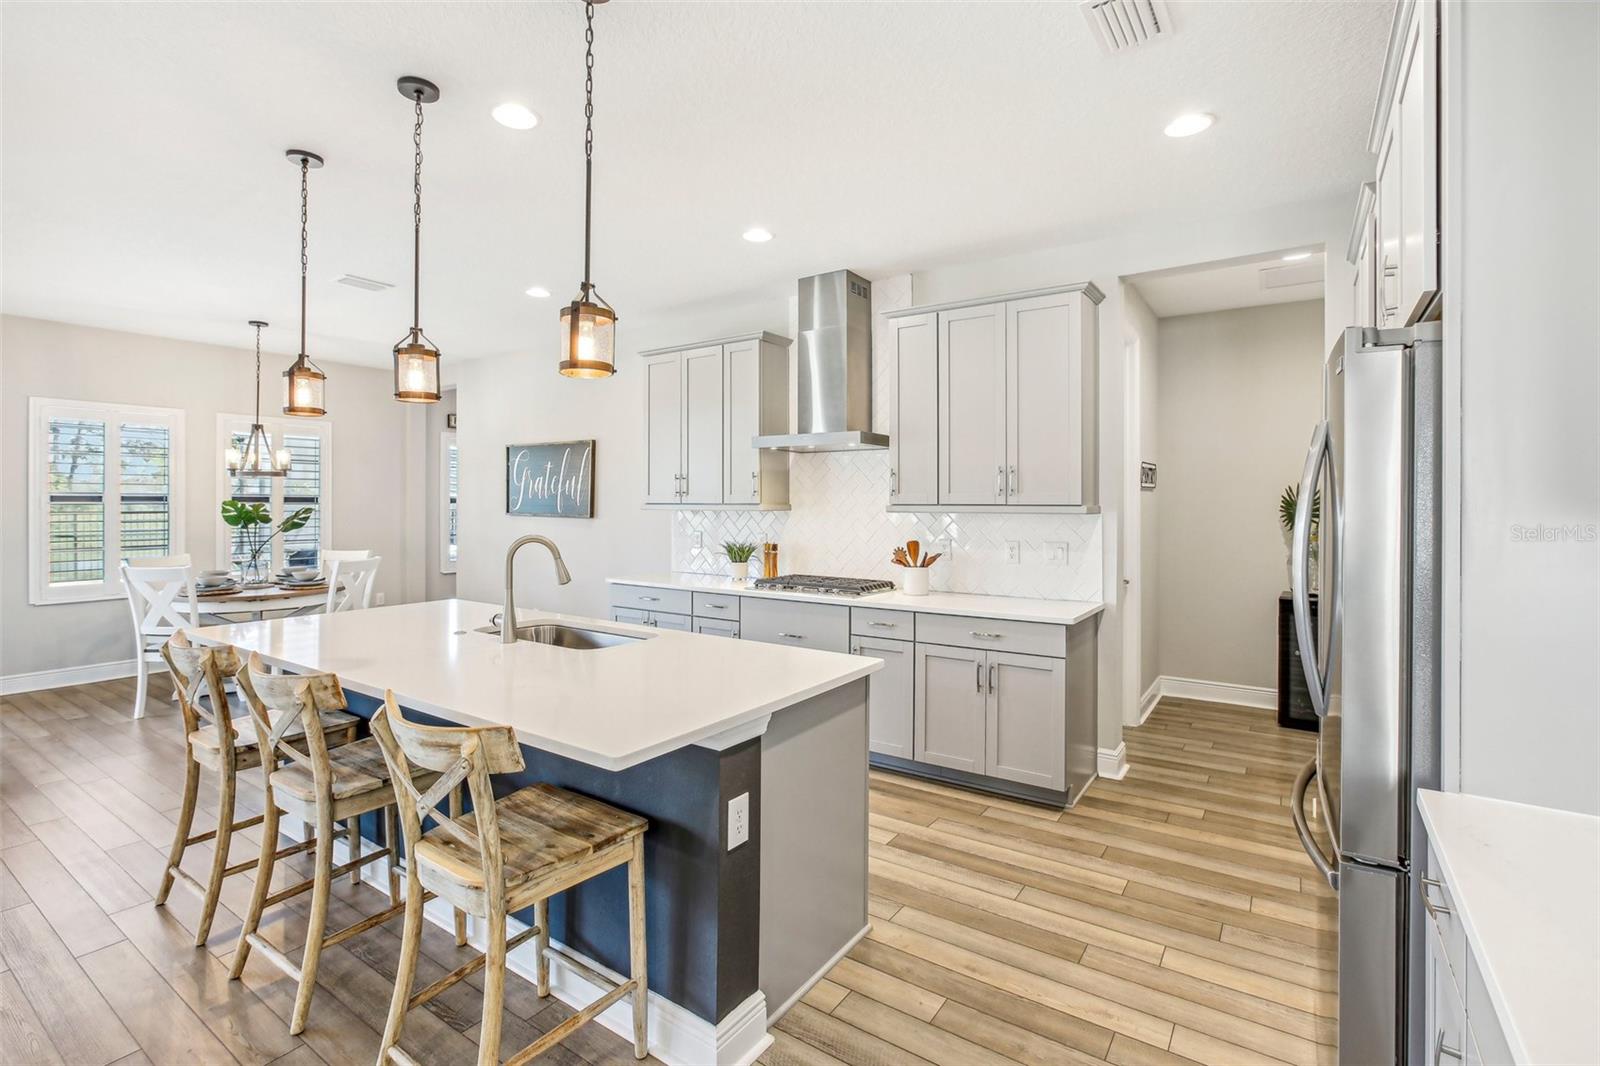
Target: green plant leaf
[(294, 521)]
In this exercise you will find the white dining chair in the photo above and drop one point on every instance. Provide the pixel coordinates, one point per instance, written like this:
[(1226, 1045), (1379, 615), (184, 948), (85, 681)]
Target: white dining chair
[(350, 584), (334, 555), (161, 601)]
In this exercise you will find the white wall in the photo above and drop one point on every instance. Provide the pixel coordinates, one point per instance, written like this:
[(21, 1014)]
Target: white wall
[(1144, 565), (437, 585), (1240, 392), (59, 361), (1522, 270)]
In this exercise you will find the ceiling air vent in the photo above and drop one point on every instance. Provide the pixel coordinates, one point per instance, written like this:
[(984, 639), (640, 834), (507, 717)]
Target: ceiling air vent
[(356, 281), (1119, 25)]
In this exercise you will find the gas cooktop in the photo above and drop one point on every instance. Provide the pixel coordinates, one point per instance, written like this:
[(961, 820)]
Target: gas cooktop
[(830, 586)]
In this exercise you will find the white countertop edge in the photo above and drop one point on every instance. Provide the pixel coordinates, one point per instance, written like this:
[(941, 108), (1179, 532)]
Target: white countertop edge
[(1441, 837), (712, 732), (1008, 608)]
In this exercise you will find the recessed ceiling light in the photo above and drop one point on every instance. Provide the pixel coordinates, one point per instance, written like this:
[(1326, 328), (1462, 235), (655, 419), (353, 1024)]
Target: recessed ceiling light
[(515, 116), (539, 292), (1189, 125), (757, 235), (1295, 257)]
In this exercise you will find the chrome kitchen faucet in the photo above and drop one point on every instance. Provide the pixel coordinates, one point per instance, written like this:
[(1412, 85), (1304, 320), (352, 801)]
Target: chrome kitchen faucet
[(508, 617)]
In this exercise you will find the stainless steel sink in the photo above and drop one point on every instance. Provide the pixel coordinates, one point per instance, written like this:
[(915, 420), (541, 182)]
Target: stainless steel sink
[(565, 636)]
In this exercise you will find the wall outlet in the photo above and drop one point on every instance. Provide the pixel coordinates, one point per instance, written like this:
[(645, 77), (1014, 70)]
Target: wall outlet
[(698, 539), (1013, 551), (738, 820), (377, 599), (1055, 552)]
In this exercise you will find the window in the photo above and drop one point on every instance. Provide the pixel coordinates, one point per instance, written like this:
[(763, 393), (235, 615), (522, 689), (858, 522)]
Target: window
[(307, 485), (449, 484), (104, 485)]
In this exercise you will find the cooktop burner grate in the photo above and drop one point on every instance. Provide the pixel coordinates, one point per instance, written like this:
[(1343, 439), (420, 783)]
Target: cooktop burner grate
[(831, 586)]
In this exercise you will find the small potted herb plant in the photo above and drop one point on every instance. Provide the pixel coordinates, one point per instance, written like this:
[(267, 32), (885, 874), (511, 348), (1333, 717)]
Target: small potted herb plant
[(738, 553)]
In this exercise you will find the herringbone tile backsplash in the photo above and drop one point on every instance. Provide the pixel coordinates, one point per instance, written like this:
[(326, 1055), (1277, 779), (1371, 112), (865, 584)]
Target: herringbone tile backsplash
[(838, 526)]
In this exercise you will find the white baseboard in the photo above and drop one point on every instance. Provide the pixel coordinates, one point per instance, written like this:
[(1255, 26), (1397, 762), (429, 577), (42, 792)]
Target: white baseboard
[(1152, 696), (773, 1016), (1112, 763), (677, 1036), (1189, 688), (62, 677)]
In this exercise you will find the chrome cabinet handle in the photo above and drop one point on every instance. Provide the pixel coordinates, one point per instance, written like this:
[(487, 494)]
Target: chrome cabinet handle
[(649, 599), (1440, 1048), (979, 685), (1013, 481), (1434, 909), (999, 481), (894, 482), (755, 484), (717, 606), (792, 636), (884, 625), (986, 636), (991, 678)]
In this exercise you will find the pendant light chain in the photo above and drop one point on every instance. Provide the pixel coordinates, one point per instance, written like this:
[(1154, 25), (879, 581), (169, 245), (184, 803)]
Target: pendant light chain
[(588, 134), (305, 168), (416, 242), (258, 375)]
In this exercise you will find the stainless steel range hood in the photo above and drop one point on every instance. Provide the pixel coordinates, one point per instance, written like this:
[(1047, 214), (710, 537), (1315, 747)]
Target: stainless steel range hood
[(833, 401)]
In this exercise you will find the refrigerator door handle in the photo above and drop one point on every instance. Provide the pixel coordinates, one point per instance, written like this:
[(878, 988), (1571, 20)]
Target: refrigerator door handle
[(1317, 678), (1297, 807)]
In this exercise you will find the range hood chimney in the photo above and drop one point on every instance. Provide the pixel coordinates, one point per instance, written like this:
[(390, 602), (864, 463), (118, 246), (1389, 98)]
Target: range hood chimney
[(834, 400)]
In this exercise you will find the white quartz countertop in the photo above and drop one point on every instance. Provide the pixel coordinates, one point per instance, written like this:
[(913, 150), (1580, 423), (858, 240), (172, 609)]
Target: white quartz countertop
[(1011, 608), (1525, 882), (609, 707)]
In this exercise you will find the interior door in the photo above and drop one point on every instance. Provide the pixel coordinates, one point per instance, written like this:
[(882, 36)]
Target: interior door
[(950, 694), (663, 428), (1026, 719), (702, 425), (890, 695), (1044, 401), (972, 405), (742, 384), (914, 437)]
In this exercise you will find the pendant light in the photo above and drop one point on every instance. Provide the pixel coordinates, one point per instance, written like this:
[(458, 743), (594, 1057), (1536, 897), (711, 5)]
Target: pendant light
[(257, 459), (304, 382), (588, 325), (416, 360)]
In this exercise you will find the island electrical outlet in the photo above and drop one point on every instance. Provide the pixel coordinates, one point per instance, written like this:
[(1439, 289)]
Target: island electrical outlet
[(738, 820)]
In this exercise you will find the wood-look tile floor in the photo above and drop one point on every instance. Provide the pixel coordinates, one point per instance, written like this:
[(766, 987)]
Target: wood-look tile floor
[(1170, 917)]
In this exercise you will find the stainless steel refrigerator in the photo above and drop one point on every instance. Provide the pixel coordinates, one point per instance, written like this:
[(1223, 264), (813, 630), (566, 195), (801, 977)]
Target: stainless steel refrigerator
[(1371, 663)]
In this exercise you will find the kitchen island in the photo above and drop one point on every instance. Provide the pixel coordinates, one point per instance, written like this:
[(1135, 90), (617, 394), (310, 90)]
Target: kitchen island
[(679, 728)]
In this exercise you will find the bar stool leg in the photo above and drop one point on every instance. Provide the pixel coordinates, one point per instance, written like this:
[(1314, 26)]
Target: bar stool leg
[(541, 942), (637, 963), (219, 858), (391, 842), (494, 982), (258, 898), (405, 969), (461, 915), (180, 838), (320, 887)]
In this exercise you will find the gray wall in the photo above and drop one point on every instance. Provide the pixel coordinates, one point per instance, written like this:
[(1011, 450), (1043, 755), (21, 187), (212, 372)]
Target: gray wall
[(1144, 329), (1239, 393), (59, 361), (438, 585)]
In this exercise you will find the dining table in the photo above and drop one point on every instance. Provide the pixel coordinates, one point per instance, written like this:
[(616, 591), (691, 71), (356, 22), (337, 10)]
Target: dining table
[(252, 603)]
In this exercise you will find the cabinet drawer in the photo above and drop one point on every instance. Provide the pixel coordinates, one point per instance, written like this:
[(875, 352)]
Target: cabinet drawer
[(1029, 638), (716, 605), (657, 619), (802, 625), (716, 627), (1440, 907), (877, 622), (1447, 1014), (645, 598), (1482, 1021)]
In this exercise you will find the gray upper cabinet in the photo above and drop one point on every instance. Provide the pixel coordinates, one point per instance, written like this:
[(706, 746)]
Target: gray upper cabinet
[(704, 404), (914, 435), (1013, 399), (1025, 720), (889, 695), (949, 710), (972, 405)]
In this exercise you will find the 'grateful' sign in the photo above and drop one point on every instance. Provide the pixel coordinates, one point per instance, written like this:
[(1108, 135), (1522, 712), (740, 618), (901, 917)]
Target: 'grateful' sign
[(554, 479)]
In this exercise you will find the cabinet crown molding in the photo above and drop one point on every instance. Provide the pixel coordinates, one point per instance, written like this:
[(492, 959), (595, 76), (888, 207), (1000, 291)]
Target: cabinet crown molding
[(760, 335), (1088, 288), (1389, 83), (1366, 198)]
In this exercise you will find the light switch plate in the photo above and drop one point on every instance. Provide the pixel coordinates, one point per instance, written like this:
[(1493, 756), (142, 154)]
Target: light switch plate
[(1055, 552), (377, 599), (738, 820)]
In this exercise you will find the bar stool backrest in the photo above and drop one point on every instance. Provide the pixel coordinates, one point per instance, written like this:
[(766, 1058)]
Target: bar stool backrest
[(457, 753), (196, 670), (278, 702)]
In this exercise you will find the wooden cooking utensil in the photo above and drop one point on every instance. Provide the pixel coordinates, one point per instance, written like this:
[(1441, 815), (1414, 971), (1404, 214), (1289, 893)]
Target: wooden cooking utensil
[(929, 560), (914, 550)]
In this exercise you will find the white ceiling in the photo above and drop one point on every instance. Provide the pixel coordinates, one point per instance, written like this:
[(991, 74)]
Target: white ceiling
[(145, 187), (1250, 282)]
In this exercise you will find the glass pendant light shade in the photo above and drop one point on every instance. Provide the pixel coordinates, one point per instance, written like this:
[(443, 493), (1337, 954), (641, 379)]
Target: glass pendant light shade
[(303, 389), (257, 458), (589, 348), (416, 370)]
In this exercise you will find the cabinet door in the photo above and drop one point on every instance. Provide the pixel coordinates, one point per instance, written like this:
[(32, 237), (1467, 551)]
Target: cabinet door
[(1362, 304), (972, 405), (663, 428), (630, 615), (1416, 114), (742, 386), (1387, 281), (889, 695), (948, 723), (702, 425), (1026, 719), (914, 436), (1044, 401), (716, 627), (679, 622)]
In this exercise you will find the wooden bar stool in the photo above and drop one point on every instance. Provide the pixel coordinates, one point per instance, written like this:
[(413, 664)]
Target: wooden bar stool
[(504, 856), (218, 741), (321, 784)]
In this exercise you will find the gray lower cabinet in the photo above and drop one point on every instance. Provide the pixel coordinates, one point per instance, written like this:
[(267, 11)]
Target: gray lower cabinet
[(716, 627), (1025, 720), (824, 626), (890, 695), (949, 707), (658, 619)]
